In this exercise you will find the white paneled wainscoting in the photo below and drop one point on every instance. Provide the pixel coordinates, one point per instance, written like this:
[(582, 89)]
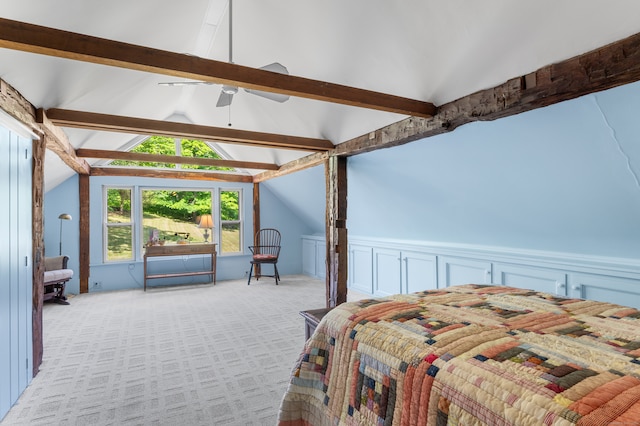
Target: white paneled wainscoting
[(314, 254), (381, 267)]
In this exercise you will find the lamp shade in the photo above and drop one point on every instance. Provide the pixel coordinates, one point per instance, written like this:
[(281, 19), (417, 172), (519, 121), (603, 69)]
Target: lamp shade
[(65, 216), (206, 221)]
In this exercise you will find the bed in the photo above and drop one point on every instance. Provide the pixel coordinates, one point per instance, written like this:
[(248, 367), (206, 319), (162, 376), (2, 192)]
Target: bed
[(467, 355)]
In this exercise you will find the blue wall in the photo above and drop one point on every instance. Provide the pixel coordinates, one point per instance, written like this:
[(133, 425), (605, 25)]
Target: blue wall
[(304, 194), (63, 199), (561, 178), (275, 214), (123, 275)]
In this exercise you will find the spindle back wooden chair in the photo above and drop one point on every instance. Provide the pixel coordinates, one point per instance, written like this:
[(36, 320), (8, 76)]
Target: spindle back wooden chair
[(266, 250)]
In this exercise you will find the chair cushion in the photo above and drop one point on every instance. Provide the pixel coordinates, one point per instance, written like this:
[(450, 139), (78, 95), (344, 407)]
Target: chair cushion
[(264, 257), (53, 263), (58, 275)]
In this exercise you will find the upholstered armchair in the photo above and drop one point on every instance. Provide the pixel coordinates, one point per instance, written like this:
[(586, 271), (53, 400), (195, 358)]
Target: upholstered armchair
[(56, 275)]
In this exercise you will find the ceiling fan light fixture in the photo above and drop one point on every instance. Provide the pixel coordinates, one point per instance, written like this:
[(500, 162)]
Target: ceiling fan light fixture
[(230, 90)]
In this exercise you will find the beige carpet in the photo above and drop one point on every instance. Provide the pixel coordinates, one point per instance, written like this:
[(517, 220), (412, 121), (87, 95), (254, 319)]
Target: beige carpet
[(183, 355)]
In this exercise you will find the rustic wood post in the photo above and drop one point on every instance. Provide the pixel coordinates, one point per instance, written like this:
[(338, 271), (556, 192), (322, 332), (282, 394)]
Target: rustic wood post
[(336, 230), (37, 196), (83, 192), (256, 222)]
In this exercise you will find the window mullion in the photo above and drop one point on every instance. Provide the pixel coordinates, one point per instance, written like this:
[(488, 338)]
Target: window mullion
[(178, 143)]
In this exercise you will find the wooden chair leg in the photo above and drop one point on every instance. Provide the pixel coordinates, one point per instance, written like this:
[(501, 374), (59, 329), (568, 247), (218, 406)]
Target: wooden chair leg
[(276, 274), (250, 272)]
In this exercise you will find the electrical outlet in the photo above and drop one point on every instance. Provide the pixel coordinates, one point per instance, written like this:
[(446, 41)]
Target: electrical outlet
[(97, 284)]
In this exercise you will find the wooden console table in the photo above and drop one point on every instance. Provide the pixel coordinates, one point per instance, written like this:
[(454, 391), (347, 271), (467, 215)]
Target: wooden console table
[(180, 250)]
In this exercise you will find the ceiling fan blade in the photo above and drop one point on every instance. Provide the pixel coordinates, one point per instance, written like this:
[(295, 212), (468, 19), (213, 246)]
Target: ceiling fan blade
[(224, 99), (184, 83), (272, 96), (280, 69), (276, 67)]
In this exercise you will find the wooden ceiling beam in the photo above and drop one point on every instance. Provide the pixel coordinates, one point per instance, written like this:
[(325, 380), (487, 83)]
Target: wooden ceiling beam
[(307, 162), (14, 104), (53, 42), (171, 159), (601, 69), (143, 126), (607, 67), (170, 174), (57, 141)]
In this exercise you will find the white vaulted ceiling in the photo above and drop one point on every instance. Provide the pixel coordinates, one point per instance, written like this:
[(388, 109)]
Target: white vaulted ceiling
[(428, 50)]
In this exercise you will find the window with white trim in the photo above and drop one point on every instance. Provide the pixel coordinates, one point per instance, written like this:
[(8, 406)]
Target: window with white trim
[(170, 216), (230, 221), (118, 224)]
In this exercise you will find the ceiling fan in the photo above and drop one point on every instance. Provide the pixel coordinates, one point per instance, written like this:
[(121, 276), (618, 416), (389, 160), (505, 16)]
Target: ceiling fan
[(227, 92)]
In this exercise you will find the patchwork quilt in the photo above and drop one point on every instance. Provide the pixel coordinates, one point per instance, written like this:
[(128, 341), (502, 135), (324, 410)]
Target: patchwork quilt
[(469, 355)]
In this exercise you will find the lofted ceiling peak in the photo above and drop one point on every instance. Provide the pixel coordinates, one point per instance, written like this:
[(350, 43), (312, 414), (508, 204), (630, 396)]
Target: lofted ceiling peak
[(431, 52)]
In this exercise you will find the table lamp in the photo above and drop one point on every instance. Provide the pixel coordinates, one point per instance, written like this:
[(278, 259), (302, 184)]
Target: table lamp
[(206, 222)]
